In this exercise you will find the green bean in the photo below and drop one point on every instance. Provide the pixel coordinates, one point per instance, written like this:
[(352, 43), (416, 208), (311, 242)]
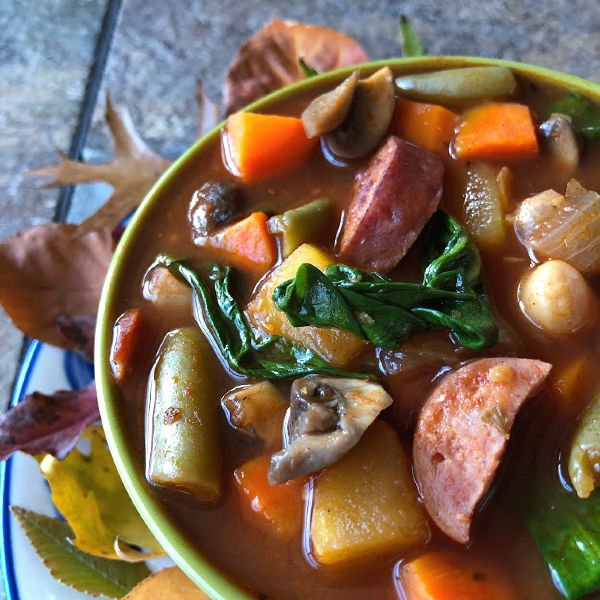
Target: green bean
[(584, 457), (182, 429), (459, 85), (301, 224)]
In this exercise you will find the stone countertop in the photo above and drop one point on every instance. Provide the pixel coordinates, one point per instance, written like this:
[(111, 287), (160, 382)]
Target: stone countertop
[(161, 48)]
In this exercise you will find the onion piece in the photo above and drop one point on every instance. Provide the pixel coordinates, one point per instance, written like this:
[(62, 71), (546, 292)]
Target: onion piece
[(567, 227)]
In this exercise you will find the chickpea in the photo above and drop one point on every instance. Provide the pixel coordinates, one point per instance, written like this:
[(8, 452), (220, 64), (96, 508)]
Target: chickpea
[(555, 297)]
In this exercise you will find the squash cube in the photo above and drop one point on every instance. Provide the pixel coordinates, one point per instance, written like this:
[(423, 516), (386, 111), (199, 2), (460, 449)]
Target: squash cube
[(366, 505), (334, 345)]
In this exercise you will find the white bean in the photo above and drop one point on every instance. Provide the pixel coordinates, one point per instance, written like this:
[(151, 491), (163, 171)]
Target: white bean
[(555, 297)]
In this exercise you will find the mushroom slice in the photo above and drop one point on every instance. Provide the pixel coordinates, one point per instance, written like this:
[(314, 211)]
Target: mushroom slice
[(326, 418), (561, 142), (368, 119), (328, 111), (213, 206)]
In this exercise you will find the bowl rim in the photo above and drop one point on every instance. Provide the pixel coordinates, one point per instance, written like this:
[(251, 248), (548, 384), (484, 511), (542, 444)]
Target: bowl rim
[(197, 567)]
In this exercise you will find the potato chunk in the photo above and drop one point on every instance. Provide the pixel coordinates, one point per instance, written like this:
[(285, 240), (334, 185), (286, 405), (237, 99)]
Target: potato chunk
[(335, 346), (366, 505)]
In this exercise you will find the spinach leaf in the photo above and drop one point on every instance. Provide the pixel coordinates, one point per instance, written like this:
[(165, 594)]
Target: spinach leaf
[(387, 312), (409, 40), (218, 313), (567, 532), (583, 112)]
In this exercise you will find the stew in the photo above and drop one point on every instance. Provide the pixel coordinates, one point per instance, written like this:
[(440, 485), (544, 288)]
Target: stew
[(356, 348)]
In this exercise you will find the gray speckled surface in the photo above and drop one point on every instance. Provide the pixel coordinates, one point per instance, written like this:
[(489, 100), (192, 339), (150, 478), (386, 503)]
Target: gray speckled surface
[(160, 48)]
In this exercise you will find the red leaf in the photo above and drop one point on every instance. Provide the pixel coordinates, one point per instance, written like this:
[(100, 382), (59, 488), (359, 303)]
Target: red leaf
[(48, 423), (269, 59)]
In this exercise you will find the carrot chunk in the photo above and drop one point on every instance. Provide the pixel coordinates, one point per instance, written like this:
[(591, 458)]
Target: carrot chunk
[(246, 244), (428, 125), (262, 146), (279, 506), (496, 130), (443, 576), (126, 336)]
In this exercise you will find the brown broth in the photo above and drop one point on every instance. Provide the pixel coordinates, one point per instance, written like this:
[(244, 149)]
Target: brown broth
[(237, 543)]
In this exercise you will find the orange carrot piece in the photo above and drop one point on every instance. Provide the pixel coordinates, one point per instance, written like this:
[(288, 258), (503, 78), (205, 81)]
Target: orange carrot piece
[(263, 146), (496, 130), (126, 336), (279, 506), (428, 125), (443, 576), (246, 244)]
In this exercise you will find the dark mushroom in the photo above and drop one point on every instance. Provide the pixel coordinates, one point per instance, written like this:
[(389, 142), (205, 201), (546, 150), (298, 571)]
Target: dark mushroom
[(326, 418), (328, 111), (212, 206), (368, 118), (561, 142)]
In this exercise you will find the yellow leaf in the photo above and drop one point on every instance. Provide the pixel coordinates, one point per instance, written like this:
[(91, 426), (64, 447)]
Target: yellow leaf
[(168, 584), (88, 492)]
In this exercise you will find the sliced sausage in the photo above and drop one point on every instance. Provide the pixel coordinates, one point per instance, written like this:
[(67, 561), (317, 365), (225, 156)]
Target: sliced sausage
[(393, 199), (462, 432)]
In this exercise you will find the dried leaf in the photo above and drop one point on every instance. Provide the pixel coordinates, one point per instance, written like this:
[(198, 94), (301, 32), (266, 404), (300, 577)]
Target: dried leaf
[(131, 173), (50, 539), (269, 59), (48, 423), (88, 492), (168, 584), (49, 272), (78, 333)]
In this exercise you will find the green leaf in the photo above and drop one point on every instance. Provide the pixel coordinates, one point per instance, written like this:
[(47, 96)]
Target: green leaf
[(409, 40), (388, 312), (567, 531), (584, 114), (219, 314), (50, 539), (307, 70)]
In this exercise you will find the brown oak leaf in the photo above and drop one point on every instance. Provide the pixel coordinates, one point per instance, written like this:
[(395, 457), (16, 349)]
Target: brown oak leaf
[(132, 171), (50, 423), (49, 272), (270, 59), (168, 584)]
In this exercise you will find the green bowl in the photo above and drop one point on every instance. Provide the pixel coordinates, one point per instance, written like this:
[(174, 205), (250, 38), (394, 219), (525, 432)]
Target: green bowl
[(198, 567)]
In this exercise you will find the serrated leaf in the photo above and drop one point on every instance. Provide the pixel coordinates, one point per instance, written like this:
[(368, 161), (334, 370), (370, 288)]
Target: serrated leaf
[(131, 173), (168, 584), (88, 492), (409, 40), (50, 539)]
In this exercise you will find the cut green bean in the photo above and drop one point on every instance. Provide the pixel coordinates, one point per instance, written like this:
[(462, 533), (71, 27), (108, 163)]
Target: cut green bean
[(459, 85), (182, 430), (584, 457), (301, 224)]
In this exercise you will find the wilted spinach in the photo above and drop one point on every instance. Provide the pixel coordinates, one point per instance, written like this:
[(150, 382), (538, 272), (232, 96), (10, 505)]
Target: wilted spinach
[(386, 312), (567, 531), (583, 112), (271, 357)]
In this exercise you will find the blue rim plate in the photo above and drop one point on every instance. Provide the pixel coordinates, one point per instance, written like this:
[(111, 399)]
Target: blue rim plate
[(24, 577)]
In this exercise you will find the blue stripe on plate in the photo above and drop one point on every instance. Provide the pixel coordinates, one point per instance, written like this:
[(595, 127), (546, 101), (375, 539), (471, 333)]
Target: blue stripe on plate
[(79, 372), (6, 549)]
